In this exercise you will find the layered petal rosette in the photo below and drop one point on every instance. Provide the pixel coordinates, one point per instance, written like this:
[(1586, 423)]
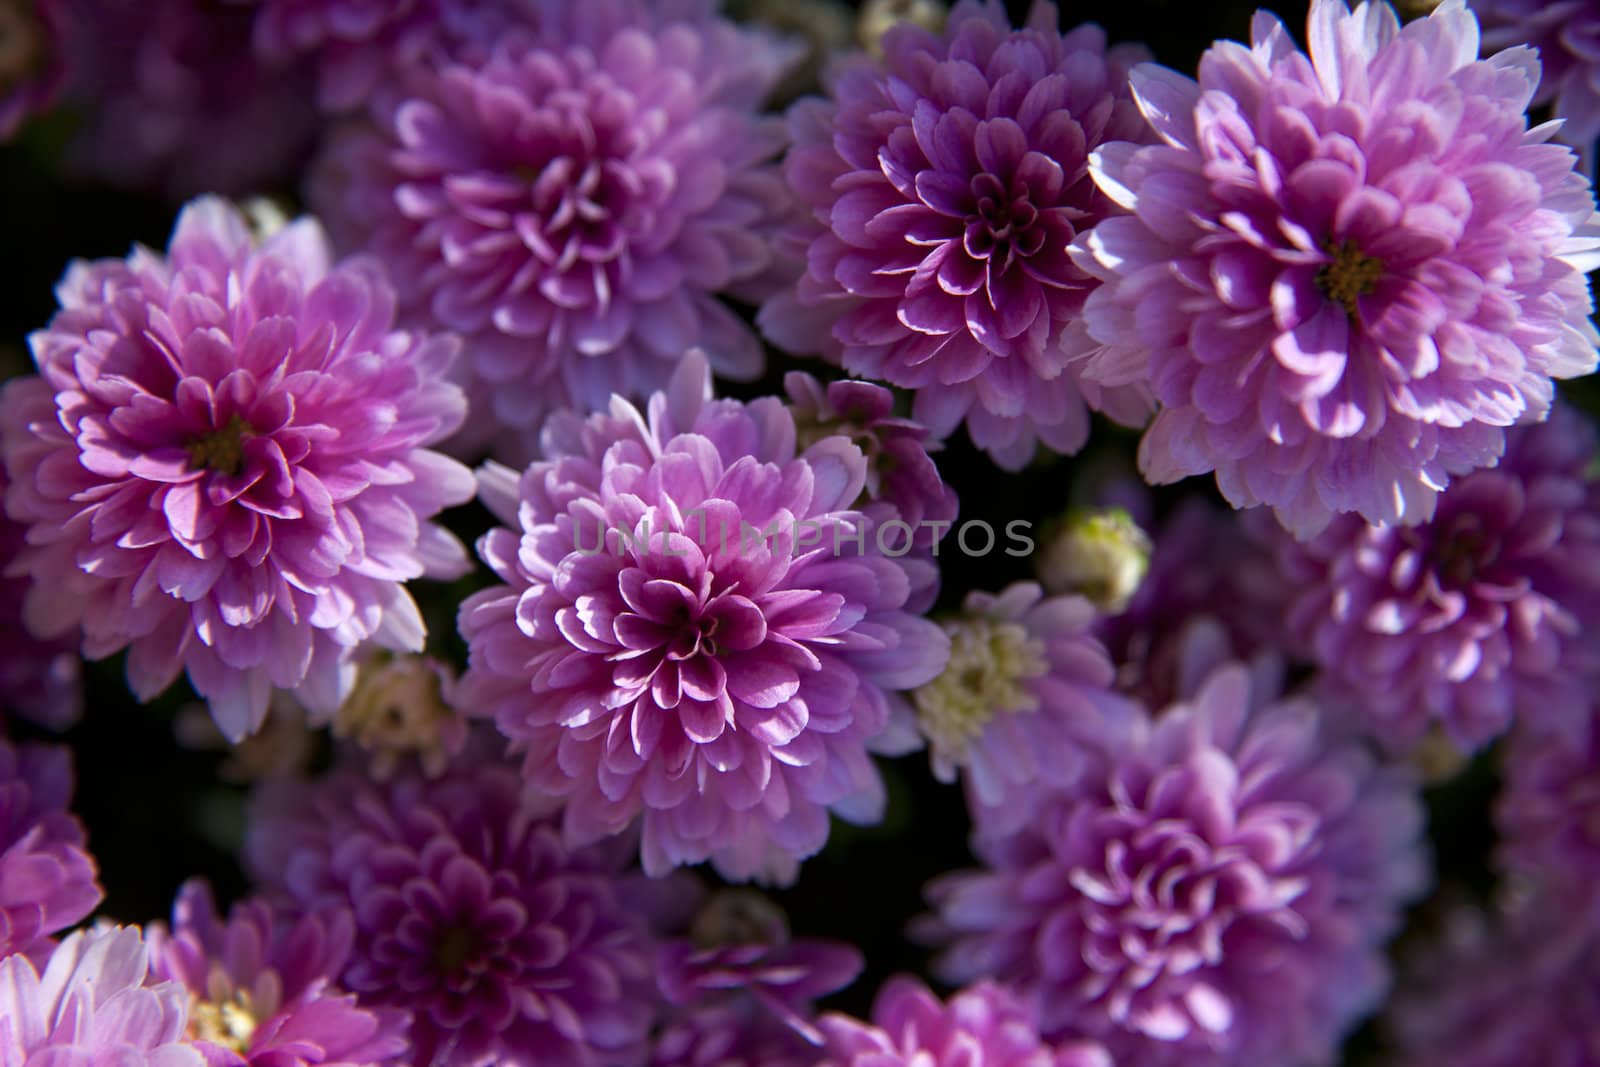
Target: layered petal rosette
[(1218, 893), (91, 1007), (1484, 612), (574, 200), (1567, 35), (1027, 689), (695, 627), (945, 186), (262, 987), (48, 880), (223, 465), (1345, 275), (505, 946), (984, 1025)]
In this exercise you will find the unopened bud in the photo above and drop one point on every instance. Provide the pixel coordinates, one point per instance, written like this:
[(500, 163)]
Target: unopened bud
[(1099, 553), (878, 17)]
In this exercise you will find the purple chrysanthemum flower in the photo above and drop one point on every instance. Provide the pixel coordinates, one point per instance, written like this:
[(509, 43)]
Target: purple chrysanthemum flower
[(1213, 586), (900, 471), (92, 1008), (984, 1025), (1345, 275), (580, 229), (261, 987), (32, 61), (1478, 615), (47, 877), (1217, 893), (946, 186), (1567, 35), (1523, 989), (696, 627), (739, 947), (1027, 687), (166, 83), (223, 465), (505, 946), (38, 678), (1548, 810), (741, 990), (355, 44)]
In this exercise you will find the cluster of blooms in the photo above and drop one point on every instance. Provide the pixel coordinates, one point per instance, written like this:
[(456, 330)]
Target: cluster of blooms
[(1342, 280)]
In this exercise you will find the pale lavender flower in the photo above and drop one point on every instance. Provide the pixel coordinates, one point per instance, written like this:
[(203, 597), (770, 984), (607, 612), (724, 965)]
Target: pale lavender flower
[(261, 986), (984, 1025), (91, 1007), (581, 230), (1481, 614), (223, 465), (1567, 35), (505, 946), (1217, 893), (1548, 810), (32, 60), (1520, 988), (1027, 689), (48, 880), (695, 627), (945, 186), (175, 102), (1345, 275)]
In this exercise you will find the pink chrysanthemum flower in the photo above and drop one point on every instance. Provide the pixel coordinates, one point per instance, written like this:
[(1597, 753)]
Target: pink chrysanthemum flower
[(47, 877), (695, 627), (1548, 810), (1518, 989), (223, 465), (1567, 35), (91, 1007), (1217, 893), (1027, 688), (1345, 274), (505, 946), (261, 988), (946, 185), (1484, 612), (984, 1025), (175, 101), (580, 230)]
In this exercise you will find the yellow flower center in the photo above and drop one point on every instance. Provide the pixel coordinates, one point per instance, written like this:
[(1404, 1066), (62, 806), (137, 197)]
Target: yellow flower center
[(221, 450), (395, 709), (990, 665), (1351, 275), (229, 1022)]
